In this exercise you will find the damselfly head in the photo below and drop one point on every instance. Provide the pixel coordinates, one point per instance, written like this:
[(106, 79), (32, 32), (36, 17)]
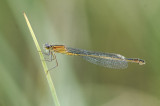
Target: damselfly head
[(141, 62), (47, 46)]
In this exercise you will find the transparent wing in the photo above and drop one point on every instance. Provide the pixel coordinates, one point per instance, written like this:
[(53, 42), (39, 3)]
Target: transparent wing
[(110, 63), (110, 60)]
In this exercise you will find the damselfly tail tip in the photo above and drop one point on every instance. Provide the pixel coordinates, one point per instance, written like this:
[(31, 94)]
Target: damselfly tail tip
[(141, 62)]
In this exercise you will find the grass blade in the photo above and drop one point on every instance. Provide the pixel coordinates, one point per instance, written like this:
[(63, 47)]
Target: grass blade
[(48, 76)]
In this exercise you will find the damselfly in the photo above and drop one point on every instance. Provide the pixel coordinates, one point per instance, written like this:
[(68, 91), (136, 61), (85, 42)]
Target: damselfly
[(109, 60)]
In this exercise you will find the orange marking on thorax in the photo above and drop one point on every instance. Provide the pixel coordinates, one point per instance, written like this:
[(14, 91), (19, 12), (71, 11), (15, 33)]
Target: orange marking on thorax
[(60, 49)]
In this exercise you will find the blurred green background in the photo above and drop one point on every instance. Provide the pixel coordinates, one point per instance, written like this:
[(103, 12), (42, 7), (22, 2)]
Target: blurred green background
[(127, 27)]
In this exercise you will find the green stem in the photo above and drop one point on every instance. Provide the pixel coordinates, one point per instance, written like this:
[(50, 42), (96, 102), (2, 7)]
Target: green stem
[(48, 76)]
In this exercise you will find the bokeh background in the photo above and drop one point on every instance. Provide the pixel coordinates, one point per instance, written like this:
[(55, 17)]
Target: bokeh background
[(127, 27)]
